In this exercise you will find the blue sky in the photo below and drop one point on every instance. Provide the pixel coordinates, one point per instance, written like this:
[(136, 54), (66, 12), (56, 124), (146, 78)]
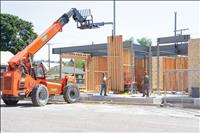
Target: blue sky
[(133, 18)]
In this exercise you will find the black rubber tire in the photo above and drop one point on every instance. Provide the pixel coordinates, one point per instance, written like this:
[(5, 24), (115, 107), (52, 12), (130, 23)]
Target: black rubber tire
[(10, 102), (71, 93), (40, 95)]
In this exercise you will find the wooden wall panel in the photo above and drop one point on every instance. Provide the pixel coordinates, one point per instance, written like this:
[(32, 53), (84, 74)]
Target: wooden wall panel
[(127, 64), (175, 81), (115, 63), (139, 72), (181, 77), (168, 64), (96, 66), (90, 75), (154, 73)]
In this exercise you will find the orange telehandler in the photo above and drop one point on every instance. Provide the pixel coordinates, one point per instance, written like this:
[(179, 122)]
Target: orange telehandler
[(26, 79)]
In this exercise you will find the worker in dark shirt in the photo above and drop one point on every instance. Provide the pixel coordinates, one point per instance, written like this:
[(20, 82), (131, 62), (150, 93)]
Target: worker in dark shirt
[(103, 85), (145, 86)]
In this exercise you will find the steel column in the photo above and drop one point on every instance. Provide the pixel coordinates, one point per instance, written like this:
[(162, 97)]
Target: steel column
[(132, 67), (150, 67), (60, 67), (158, 68)]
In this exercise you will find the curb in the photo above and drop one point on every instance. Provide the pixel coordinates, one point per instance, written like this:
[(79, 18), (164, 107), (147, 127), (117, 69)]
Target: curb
[(116, 103)]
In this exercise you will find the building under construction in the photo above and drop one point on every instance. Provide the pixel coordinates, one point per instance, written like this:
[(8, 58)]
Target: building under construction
[(125, 62)]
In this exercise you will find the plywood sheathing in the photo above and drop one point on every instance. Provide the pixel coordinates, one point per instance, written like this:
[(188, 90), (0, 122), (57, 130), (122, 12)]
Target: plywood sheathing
[(98, 65), (139, 72), (115, 63), (194, 63), (181, 77), (95, 67), (100, 68), (174, 80), (90, 74), (127, 64)]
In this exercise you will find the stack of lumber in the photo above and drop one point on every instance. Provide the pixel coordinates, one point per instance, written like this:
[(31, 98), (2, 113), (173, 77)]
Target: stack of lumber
[(115, 63), (173, 80), (194, 63)]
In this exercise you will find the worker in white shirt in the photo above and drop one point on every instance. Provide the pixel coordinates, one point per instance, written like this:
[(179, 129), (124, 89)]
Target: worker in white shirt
[(103, 85)]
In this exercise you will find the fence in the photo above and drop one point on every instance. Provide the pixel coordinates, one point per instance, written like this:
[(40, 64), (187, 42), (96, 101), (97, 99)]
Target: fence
[(180, 83)]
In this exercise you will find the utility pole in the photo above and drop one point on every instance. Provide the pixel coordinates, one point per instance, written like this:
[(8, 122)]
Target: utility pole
[(175, 21), (114, 10)]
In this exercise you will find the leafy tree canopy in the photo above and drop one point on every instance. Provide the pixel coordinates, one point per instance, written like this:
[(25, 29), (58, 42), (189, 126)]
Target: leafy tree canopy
[(16, 33), (144, 41), (77, 63), (130, 40)]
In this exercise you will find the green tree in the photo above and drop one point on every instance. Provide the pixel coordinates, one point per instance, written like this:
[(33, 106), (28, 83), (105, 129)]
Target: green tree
[(70, 63), (130, 40), (77, 63), (16, 33), (65, 63), (144, 41)]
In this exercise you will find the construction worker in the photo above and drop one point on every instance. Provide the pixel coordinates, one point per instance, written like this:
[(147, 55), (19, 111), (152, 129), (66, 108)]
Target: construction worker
[(103, 85), (145, 84)]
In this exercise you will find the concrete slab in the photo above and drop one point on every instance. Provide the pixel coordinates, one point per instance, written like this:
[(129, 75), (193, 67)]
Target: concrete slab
[(183, 101), (121, 99)]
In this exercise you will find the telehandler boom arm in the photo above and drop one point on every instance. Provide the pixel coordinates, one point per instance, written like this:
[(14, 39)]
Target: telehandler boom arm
[(41, 40)]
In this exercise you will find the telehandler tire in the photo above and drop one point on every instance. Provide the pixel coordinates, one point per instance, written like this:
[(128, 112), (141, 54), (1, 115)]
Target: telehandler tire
[(10, 102), (71, 93), (39, 95)]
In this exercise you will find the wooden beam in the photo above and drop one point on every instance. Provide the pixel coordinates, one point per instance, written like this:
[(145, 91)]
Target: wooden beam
[(80, 56)]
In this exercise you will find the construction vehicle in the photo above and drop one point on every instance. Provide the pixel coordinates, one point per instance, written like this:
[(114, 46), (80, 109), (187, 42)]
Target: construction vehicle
[(26, 79)]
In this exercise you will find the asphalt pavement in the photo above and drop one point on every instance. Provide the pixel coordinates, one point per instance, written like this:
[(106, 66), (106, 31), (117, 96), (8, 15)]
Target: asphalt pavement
[(84, 117)]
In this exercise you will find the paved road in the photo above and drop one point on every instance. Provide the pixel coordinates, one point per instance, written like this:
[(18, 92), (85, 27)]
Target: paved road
[(80, 117)]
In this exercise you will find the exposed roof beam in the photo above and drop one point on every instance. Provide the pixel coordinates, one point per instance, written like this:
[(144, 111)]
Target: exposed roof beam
[(101, 49)]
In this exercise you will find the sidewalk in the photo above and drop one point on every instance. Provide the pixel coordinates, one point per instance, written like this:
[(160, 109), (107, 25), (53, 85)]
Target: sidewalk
[(121, 99), (137, 99)]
